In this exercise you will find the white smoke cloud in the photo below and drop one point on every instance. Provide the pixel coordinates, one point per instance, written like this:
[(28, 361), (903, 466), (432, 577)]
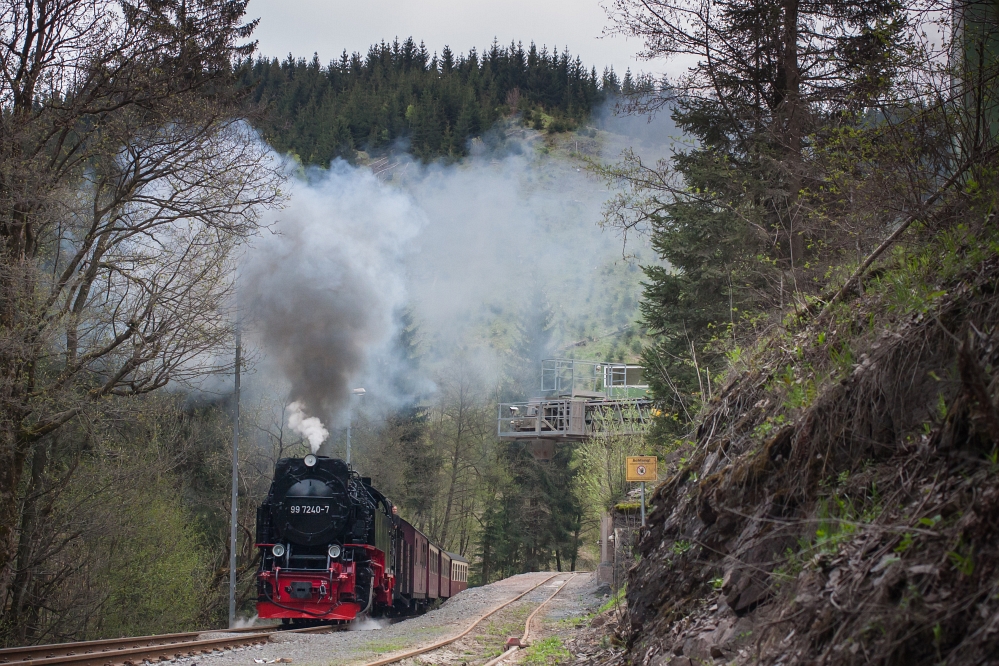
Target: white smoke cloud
[(322, 287), (309, 427), (462, 247)]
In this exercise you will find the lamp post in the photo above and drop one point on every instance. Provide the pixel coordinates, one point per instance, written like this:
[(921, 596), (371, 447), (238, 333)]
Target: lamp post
[(235, 491), (358, 392)]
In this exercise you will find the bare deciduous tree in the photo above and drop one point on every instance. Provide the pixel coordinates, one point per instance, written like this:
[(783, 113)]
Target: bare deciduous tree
[(126, 182)]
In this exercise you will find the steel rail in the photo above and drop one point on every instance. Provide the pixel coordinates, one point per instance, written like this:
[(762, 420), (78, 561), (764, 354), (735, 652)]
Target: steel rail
[(117, 651), (142, 648), (28, 652), (447, 641)]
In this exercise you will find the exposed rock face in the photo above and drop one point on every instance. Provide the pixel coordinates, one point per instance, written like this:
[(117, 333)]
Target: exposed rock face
[(840, 504)]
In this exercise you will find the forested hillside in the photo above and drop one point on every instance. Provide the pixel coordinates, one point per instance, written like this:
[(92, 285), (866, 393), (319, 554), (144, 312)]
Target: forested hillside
[(400, 95)]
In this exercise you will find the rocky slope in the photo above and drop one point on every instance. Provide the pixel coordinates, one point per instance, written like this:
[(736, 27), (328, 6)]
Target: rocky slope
[(840, 501)]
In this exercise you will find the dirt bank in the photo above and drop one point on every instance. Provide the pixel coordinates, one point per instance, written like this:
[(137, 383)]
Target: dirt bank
[(839, 503)]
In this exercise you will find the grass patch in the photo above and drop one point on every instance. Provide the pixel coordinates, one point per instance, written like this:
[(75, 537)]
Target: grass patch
[(387, 646), (614, 601), (573, 621), (547, 652)]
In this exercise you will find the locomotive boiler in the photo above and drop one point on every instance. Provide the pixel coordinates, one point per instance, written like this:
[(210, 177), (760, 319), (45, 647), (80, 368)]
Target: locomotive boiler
[(333, 547)]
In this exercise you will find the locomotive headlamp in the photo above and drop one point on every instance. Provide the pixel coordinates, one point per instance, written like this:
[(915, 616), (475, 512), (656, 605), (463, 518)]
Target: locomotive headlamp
[(310, 460), (334, 551), (278, 550)]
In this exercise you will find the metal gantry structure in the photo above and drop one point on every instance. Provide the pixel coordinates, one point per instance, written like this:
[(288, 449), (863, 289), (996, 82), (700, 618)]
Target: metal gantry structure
[(578, 400)]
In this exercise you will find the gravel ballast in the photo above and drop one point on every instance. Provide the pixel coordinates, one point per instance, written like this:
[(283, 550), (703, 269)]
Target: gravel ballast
[(361, 646)]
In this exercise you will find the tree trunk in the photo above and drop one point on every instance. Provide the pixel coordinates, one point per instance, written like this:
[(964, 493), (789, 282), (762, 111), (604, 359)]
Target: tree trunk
[(24, 572), (455, 459), (12, 463), (486, 559), (790, 114), (575, 542)]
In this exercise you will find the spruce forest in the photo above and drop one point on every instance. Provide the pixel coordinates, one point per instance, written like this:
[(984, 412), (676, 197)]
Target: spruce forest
[(399, 94)]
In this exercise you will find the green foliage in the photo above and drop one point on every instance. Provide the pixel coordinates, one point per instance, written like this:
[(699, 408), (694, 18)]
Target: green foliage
[(141, 524), (839, 519), (725, 215), (546, 652), (681, 547), (399, 92), (534, 515), (930, 522), (791, 566), (615, 600), (842, 358), (769, 425), (154, 571), (963, 558)]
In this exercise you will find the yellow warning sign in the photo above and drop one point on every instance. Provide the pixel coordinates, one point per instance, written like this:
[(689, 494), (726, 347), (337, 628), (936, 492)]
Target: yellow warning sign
[(641, 468)]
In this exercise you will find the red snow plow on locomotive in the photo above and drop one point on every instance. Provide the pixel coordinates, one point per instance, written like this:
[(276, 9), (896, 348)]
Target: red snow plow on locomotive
[(333, 547)]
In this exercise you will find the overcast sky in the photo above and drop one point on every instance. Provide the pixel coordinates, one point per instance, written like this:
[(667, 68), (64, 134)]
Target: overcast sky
[(327, 27)]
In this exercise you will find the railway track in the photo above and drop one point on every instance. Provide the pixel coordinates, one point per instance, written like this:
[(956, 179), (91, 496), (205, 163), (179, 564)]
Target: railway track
[(399, 656), (527, 627), (167, 647), (131, 651)]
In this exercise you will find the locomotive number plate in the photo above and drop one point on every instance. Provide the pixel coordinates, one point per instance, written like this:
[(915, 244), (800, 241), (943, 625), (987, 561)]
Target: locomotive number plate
[(309, 508)]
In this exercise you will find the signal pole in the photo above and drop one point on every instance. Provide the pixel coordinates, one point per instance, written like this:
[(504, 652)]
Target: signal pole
[(358, 392), (643, 503), (235, 492)]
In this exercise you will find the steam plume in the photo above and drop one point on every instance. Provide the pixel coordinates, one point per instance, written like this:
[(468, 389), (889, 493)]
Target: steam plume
[(308, 427), (323, 288)]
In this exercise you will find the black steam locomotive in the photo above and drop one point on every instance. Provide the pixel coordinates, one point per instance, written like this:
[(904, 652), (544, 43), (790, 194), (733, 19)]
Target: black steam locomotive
[(333, 547)]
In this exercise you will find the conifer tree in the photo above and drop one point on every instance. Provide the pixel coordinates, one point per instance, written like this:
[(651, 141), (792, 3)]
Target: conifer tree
[(723, 213), (400, 90)]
